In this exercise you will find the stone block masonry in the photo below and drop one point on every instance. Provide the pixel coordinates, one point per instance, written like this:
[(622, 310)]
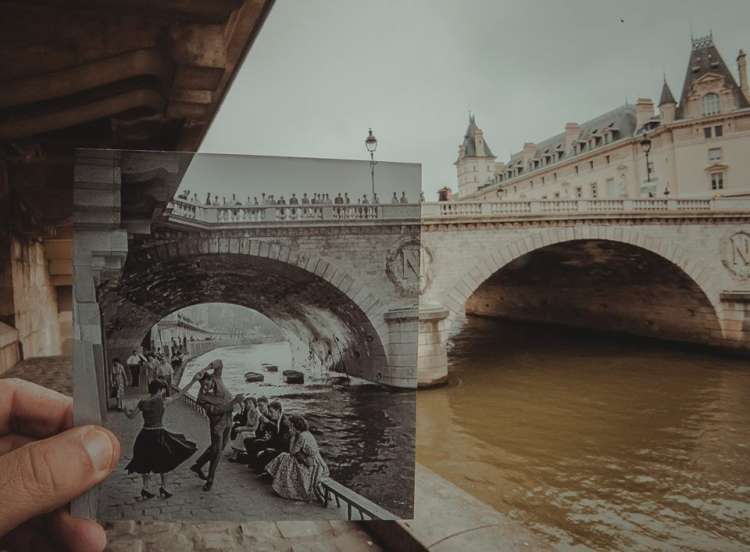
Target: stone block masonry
[(28, 303)]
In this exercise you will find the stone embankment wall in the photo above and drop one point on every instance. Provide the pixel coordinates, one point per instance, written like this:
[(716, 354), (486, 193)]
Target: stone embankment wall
[(28, 304)]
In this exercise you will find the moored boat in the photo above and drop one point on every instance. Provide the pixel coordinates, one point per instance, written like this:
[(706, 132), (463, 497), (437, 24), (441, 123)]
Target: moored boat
[(293, 376), (270, 367), (252, 377)]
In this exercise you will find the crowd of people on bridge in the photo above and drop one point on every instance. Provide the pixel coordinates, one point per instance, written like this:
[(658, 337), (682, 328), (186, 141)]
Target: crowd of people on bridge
[(315, 198), (292, 208), (275, 444)]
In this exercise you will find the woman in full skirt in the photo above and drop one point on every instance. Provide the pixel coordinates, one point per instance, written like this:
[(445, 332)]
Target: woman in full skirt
[(157, 450), (297, 474)]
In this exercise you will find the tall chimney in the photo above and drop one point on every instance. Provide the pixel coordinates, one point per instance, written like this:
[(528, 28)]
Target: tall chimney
[(644, 110), (572, 130), (742, 68)]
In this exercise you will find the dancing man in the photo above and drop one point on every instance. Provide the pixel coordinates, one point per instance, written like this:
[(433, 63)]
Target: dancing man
[(215, 399)]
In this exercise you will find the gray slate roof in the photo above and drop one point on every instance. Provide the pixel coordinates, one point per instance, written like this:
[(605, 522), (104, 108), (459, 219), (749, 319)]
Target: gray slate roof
[(621, 119), (705, 58), (469, 146), (666, 95)]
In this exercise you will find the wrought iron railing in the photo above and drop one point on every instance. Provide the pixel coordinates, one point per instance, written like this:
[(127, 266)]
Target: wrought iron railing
[(354, 503)]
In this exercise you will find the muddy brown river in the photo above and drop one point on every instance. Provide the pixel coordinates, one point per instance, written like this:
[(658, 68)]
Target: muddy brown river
[(595, 442)]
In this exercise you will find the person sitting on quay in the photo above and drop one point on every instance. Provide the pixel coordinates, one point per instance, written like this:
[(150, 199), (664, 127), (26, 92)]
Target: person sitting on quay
[(297, 474), (347, 201), (246, 424), (394, 199), (403, 198), (277, 441), (375, 199), (255, 443), (305, 199)]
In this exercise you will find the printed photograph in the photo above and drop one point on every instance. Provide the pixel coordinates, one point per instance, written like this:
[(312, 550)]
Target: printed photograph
[(258, 355)]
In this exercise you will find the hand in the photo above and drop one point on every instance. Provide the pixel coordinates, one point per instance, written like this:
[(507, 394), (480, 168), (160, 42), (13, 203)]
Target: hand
[(198, 375), (44, 463)]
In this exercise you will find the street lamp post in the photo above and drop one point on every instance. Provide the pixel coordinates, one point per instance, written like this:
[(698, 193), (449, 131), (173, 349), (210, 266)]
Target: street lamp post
[(371, 143), (646, 147)]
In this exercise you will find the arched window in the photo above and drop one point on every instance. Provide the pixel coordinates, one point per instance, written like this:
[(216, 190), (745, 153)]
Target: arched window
[(711, 104)]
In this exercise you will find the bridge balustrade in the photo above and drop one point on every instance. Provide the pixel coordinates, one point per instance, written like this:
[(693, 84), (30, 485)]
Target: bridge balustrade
[(231, 215)]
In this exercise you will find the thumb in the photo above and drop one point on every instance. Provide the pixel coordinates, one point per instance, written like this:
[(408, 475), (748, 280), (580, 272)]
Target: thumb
[(44, 475)]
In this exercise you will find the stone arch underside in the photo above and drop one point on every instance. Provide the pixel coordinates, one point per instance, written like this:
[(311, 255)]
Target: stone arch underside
[(633, 284), (304, 304)]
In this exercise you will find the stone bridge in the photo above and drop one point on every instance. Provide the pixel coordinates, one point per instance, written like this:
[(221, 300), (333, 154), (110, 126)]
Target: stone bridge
[(671, 269), (364, 281)]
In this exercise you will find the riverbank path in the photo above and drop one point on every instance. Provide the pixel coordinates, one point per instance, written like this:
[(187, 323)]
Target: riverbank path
[(237, 495)]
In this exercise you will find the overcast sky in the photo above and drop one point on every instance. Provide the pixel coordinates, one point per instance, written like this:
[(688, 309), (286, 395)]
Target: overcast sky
[(322, 71), (251, 176)]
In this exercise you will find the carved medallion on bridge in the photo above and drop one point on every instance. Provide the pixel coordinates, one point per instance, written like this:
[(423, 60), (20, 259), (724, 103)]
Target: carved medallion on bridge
[(410, 267), (736, 254)]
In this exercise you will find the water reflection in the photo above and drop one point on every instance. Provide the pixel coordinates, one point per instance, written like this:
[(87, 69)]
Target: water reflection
[(365, 432), (595, 442)]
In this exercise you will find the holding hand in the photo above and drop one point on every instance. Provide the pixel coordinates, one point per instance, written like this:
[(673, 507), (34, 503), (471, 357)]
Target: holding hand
[(44, 463)]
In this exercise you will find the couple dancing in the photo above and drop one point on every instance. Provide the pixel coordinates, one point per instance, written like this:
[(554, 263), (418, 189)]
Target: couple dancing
[(158, 451)]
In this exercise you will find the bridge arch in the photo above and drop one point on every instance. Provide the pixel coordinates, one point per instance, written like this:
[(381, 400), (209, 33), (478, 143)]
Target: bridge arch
[(690, 272), (303, 294)]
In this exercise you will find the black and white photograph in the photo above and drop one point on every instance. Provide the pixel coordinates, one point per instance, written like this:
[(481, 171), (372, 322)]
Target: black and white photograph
[(259, 322)]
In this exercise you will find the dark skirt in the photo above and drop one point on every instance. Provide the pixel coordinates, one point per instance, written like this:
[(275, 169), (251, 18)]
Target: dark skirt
[(159, 451)]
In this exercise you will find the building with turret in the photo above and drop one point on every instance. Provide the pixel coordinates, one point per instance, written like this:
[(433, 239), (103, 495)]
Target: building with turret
[(697, 147), (476, 162)]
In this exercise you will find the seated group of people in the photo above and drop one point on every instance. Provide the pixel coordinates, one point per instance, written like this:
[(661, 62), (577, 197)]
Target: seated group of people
[(280, 446)]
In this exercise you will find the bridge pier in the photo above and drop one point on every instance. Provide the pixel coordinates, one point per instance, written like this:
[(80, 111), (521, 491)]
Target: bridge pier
[(426, 325), (736, 319), (432, 361)]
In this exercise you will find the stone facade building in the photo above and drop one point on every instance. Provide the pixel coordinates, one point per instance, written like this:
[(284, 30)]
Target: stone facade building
[(698, 145)]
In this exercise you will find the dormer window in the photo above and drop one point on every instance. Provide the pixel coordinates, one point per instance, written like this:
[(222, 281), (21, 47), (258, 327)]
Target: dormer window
[(711, 104)]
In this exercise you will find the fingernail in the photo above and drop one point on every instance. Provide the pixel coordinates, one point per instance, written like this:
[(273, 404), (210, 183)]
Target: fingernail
[(98, 445)]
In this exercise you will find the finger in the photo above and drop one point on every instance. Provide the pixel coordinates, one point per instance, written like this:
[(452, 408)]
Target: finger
[(30, 409), (43, 475), (81, 535), (12, 442)]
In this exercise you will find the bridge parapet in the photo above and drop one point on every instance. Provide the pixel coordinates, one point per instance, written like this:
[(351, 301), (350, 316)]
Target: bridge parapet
[(229, 214), (315, 213)]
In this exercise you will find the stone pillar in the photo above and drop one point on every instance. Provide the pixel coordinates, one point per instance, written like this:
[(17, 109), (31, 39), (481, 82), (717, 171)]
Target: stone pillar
[(736, 319), (432, 363), (403, 331), (99, 245)]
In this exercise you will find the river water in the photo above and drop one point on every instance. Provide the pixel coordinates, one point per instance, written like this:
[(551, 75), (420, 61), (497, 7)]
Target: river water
[(365, 432), (595, 442)]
